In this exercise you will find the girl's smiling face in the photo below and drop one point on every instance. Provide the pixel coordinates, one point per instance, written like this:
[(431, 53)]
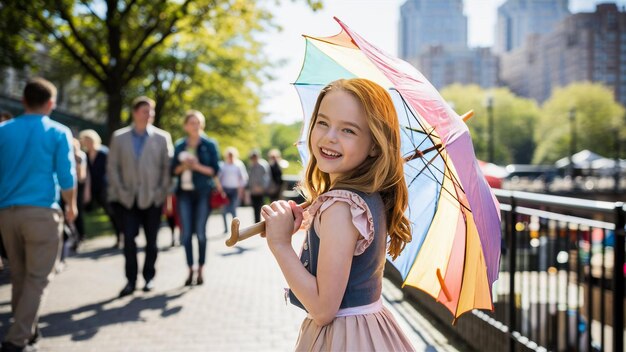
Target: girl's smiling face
[(341, 139)]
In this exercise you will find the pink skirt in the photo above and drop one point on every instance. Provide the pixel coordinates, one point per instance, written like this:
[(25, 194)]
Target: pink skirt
[(366, 332)]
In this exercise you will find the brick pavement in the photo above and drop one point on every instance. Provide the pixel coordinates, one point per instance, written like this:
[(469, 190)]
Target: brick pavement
[(240, 307)]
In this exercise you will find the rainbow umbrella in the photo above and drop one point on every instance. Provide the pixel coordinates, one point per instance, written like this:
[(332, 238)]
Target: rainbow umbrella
[(455, 219)]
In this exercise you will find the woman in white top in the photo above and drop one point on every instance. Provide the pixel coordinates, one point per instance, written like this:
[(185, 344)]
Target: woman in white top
[(233, 177)]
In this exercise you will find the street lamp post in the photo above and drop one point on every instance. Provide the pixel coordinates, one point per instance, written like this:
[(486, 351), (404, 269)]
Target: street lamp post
[(572, 120), (489, 104), (616, 167)]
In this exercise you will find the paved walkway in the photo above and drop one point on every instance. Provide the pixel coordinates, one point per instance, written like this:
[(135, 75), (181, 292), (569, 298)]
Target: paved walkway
[(240, 307)]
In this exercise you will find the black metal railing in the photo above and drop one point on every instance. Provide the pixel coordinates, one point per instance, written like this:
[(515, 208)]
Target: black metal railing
[(561, 285), (561, 282)]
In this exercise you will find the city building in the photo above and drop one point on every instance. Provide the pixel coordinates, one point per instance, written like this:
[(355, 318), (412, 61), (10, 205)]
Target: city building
[(444, 66), (424, 23), (582, 47), (518, 19), (73, 96), (433, 38)]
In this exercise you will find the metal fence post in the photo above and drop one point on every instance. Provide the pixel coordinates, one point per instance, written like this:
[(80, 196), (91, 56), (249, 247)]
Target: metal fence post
[(618, 279), (512, 265)]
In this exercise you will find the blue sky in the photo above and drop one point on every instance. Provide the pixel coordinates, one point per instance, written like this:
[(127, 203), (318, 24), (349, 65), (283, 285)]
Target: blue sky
[(375, 20)]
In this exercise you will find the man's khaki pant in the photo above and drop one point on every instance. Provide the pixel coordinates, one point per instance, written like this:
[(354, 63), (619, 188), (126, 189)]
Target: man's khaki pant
[(32, 238)]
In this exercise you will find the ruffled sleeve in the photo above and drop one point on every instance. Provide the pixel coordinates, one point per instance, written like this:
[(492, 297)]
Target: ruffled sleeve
[(361, 215)]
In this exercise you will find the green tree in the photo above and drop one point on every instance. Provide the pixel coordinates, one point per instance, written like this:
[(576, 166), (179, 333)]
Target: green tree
[(514, 121), (596, 118), (142, 45), (15, 43), (284, 137)]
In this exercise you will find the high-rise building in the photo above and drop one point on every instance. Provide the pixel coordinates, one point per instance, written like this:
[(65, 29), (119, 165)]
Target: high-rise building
[(517, 19), (582, 47), (433, 38), (444, 66), (425, 22)]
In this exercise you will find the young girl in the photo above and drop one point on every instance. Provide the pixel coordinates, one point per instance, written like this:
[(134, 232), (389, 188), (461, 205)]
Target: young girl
[(355, 183)]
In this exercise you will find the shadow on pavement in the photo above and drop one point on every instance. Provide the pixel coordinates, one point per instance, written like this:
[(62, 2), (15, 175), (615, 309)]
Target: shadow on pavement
[(236, 251), (97, 253), (83, 323)]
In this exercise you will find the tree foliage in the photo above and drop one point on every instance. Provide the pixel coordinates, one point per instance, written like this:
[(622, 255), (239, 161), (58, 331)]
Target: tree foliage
[(598, 120), (514, 122), (199, 54)]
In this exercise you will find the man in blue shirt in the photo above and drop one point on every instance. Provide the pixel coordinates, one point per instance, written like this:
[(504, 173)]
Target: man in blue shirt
[(37, 159)]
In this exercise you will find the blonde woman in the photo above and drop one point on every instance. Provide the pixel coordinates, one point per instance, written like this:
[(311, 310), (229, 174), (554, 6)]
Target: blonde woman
[(195, 163), (97, 155)]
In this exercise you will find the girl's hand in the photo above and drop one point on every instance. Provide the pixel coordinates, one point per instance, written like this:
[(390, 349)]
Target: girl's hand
[(298, 215), (279, 223)]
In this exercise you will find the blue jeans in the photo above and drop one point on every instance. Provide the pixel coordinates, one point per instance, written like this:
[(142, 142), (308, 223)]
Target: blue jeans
[(194, 210), (233, 197)]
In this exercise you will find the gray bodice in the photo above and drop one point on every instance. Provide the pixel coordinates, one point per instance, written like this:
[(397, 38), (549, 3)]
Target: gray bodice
[(366, 273)]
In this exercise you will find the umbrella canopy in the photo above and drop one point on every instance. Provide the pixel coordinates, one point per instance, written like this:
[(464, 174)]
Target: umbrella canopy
[(455, 219)]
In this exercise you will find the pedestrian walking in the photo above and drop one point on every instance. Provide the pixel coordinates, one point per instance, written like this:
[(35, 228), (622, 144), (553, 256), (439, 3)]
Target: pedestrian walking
[(73, 233), (138, 170), (355, 181), (37, 159), (97, 155), (80, 158), (276, 180), (258, 181), (233, 177), (195, 163), (4, 116)]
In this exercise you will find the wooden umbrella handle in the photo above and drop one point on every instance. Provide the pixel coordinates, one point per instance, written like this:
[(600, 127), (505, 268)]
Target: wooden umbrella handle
[(237, 235)]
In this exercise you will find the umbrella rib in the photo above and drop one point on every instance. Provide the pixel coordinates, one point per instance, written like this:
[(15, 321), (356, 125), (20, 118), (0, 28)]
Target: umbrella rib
[(452, 178), (456, 310), (436, 146), (454, 196)]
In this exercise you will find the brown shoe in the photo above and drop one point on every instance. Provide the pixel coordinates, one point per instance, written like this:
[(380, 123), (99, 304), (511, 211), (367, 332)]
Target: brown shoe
[(189, 280)]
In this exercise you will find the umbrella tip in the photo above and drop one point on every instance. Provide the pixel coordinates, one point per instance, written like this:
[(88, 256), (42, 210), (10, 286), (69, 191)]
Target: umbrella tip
[(444, 288), (468, 115)]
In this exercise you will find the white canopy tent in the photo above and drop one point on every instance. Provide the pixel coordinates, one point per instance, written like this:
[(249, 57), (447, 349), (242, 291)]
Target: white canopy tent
[(588, 160), (581, 160)]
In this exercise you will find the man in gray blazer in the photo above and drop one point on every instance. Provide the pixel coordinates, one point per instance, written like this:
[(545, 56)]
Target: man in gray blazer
[(139, 179)]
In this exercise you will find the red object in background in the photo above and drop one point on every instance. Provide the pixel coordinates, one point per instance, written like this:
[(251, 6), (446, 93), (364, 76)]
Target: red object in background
[(493, 173), (218, 199), (169, 209)]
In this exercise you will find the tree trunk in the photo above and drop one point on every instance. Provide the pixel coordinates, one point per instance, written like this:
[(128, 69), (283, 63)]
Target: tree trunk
[(158, 109), (114, 109), (160, 99)]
